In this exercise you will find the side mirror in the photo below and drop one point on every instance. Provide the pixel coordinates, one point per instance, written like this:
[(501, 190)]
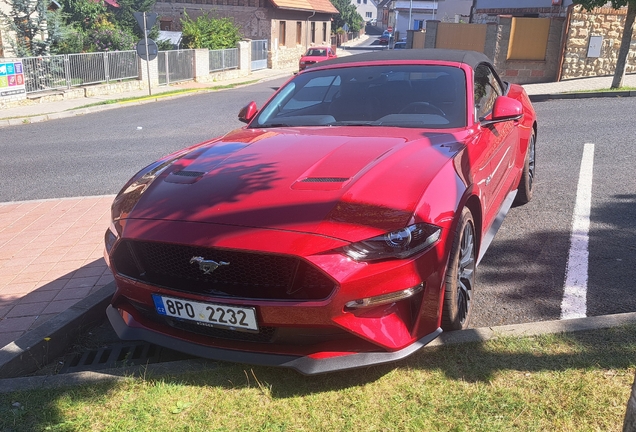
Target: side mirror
[(248, 112), (505, 109)]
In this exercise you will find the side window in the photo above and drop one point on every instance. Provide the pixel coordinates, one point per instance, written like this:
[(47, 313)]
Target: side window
[(487, 89)]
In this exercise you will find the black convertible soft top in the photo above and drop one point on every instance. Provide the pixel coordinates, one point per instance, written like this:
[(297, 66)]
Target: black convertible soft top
[(471, 58)]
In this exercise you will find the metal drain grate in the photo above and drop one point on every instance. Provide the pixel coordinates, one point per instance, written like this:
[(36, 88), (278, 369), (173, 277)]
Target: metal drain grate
[(119, 355)]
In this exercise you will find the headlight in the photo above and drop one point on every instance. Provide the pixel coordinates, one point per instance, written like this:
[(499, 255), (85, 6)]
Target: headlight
[(399, 244)]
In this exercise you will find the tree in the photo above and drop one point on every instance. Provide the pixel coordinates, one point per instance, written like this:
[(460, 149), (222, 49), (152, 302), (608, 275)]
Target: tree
[(84, 14), (210, 33), (124, 14), (626, 39), (348, 14), (96, 25), (27, 18)]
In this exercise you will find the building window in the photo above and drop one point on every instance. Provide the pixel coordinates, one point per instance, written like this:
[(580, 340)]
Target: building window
[(165, 24), (313, 32), (369, 15), (281, 33), (418, 24), (324, 32), (364, 1), (299, 31)]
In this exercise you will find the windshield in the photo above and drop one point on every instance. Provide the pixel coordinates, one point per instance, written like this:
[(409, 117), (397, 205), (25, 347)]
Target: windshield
[(420, 96), (316, 52)]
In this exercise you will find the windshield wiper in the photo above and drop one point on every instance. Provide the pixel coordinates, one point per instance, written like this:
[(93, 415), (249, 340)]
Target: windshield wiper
[(354, 123), (274, 125)]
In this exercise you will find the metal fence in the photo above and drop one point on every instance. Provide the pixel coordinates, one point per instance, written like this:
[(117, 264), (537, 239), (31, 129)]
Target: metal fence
[(224, 59), (176, 65), (259, 54), (69, 70)]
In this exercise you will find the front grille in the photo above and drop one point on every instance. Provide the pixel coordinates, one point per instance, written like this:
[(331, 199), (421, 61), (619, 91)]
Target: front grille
[(248, 275)]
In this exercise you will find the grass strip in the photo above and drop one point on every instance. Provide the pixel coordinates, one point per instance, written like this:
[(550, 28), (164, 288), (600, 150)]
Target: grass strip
[(567, 382), (604, 90)]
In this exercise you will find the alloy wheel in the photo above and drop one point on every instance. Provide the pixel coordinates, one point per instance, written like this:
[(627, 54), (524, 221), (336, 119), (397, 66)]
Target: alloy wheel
[(465, 273)]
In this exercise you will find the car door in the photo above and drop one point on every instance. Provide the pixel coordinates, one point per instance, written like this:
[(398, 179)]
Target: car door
[(498, 140)]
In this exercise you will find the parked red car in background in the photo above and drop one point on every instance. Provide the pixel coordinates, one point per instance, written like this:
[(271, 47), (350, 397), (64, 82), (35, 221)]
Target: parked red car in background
[(315, 55), (385, 38)]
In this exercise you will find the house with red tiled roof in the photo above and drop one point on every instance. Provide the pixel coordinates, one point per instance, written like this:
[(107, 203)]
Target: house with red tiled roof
[(289, 26)]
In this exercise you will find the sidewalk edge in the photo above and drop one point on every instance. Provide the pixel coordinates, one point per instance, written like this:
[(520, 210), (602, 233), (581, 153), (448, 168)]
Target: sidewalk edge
[(51, 339)]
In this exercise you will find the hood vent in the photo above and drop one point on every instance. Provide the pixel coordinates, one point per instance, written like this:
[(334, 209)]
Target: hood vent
[(188, 173), (184, 177), (325, 180)]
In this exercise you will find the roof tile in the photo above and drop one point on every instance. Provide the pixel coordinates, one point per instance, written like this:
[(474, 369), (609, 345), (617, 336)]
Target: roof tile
[(324, 6)]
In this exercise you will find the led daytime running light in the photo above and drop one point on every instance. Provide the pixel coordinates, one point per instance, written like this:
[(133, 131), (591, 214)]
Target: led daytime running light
[(384, 298)]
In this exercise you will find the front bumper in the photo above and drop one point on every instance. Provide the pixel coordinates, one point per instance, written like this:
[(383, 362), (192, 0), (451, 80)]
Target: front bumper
[(307, 365)]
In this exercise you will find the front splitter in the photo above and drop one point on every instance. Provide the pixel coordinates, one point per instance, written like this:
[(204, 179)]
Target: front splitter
[(303, 364)]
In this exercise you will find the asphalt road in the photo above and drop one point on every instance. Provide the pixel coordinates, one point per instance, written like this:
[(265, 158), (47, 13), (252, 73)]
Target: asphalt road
[(97, 153), (520, 279)]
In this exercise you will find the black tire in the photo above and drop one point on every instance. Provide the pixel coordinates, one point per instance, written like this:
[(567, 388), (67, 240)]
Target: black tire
[(526, 184), (460, 275)]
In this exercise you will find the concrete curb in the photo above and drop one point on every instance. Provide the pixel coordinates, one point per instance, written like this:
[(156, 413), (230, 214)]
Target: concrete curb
[(582, 95), (534, 329), (78, 378), (51, 339)]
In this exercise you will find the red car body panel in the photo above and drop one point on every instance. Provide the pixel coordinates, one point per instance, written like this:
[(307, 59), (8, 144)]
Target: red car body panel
[(303, 195), (233, 192)]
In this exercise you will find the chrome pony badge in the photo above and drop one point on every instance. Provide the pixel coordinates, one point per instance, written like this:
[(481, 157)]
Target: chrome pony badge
[(207, 266)]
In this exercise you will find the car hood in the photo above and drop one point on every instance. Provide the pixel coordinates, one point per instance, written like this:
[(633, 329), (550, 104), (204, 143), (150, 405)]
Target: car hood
[(338, 182), (313, 58)]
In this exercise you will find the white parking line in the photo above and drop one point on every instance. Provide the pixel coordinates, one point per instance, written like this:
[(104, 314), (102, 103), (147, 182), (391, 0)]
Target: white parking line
[(574, 304)]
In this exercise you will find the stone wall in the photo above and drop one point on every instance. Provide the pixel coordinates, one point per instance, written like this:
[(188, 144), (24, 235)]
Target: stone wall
[(527, 71), (485, 16), (285, 57), (605, 22)]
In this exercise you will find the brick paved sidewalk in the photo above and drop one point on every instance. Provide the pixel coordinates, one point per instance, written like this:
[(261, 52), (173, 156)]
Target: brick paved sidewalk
[(51, 257)]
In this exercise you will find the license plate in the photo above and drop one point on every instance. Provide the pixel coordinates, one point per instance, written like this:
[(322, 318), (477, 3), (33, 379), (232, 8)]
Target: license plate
[(212, 314)]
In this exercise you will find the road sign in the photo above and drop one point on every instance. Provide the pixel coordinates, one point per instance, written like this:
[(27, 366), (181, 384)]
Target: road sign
[(152, 49), (151, 19)]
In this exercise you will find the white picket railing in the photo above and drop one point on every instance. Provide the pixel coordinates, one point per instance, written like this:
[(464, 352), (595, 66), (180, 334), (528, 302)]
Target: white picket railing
[(69, 70)]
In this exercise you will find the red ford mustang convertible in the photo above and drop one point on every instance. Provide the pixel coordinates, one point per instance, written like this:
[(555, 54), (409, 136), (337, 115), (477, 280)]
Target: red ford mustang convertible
[(341, 227)]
